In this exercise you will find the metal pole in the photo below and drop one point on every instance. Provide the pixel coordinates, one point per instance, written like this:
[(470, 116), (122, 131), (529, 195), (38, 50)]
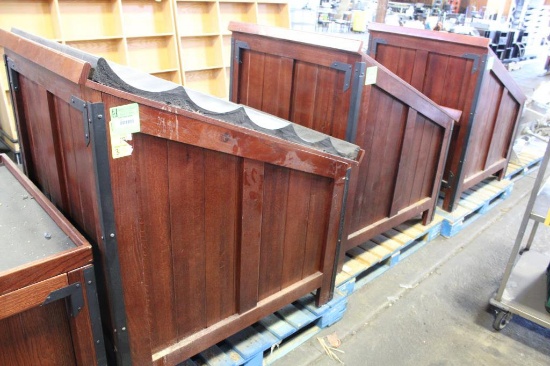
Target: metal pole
[(524, 222)]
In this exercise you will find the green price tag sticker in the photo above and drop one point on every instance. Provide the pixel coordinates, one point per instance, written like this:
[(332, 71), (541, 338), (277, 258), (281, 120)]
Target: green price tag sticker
[(125, 119)]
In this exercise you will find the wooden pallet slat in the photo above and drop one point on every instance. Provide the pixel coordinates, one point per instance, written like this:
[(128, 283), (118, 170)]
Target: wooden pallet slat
[(473, 205)]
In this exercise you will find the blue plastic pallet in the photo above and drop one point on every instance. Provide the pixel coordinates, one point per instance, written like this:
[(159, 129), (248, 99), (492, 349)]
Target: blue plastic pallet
[(474, 203), (525, 161), (371, 259), (276, 334)]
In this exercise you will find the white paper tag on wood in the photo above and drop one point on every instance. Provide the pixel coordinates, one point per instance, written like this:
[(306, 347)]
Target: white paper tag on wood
[(371, 74), (124, 122), (490, 63)]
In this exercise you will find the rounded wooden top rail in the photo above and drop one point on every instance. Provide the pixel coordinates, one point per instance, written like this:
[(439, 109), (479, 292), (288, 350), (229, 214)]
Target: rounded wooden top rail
[(431, 35), (334, 42), (68, 66)]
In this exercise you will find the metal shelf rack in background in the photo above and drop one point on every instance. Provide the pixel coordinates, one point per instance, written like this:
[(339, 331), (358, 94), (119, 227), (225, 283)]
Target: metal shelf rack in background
[(523, 289)]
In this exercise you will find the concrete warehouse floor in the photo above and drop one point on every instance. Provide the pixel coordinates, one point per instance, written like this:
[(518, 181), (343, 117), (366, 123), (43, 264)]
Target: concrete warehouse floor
[(433, 307)]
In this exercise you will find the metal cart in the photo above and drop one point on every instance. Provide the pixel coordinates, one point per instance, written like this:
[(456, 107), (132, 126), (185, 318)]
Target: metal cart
[(523, 287)]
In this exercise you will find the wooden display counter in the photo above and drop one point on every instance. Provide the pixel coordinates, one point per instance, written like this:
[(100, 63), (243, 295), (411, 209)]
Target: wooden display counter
[(460, 72), (49, 314), (207, 215), (328, 84)]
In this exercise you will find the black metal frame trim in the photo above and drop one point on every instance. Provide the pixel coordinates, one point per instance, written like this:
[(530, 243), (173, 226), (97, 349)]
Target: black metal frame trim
[(95, 315), (13, 80), (83, 107), (236, 47), (100, 152), (373, 46), (356, 95), (476, 59), (74, 294), (340, 232), (341, 66), (459, 174)]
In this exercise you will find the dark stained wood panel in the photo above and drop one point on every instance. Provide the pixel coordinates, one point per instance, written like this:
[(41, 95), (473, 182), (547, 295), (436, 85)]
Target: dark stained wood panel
[(33, 331), (504, 128), (312, 87), (251, 234), (215, 223), (296, 227), (462, 73), (275, 83), (317, 224), (125, 174), (188, 235), (274, 218), (222, 193), (155, 230), (330, 94)]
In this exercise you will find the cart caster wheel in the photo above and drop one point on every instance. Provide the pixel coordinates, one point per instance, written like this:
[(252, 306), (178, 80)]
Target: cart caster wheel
[(501, 320)]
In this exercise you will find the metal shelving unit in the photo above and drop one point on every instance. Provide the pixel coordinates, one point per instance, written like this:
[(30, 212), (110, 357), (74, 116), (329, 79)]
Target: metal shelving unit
[(523, 287)]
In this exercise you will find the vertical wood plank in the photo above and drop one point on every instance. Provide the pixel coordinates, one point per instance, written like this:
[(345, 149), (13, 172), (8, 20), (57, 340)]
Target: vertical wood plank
[(303, 94), (34, 107), (365, 136), (374, 180), (508, 114), (404, 69), (436, 71), (419, 69), (59, 194), (276, 181), (432, 160), (327, 263), (421, 168), (251, 234), (328, 88), (404, 167), (81, 327), (186, 184), (317, 224), (39, 336), (277, 85), (152, 157), (125, 173), (73, 209), (391, 151), (253, 78), (222, 190), (296, 227), (415, 155)]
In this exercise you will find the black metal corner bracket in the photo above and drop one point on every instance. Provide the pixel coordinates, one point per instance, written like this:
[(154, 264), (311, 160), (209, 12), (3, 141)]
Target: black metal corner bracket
[(373, 46), (475, 58), (83, 107), (74, 294), (345, 68), (11, 69), (238, 46)]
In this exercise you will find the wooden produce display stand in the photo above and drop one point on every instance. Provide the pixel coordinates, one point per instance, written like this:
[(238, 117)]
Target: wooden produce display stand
[(207, 215), (328, 84), (460, 72), (49, 313)]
